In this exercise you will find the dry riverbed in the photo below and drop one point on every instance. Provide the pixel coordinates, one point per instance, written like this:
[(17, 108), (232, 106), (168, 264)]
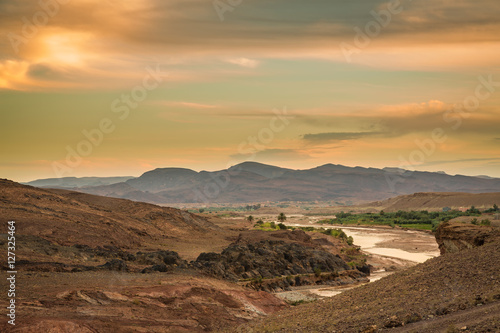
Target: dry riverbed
[(388, 250)]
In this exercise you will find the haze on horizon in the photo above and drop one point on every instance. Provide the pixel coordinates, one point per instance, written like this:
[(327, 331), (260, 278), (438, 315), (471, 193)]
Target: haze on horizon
[(142, 84)]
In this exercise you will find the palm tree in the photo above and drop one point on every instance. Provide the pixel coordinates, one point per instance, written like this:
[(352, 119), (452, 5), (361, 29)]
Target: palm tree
[(282, 217)]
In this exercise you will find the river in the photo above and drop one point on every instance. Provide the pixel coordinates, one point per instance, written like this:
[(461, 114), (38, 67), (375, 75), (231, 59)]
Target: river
[(394, 247)]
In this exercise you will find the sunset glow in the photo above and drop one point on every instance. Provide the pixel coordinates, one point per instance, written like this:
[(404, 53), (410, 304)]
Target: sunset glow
[(184, 84)]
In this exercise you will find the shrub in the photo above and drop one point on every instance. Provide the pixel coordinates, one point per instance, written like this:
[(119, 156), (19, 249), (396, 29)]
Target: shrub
[(282, 226), (485, 222), (317, 272)]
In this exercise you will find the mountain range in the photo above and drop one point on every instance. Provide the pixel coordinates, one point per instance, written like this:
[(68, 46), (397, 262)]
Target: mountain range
[(255, 182)]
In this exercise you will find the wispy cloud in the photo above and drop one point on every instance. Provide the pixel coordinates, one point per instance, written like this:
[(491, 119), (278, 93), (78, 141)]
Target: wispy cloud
[(94, 36), (190, 105), (338, 136), (244, 62)]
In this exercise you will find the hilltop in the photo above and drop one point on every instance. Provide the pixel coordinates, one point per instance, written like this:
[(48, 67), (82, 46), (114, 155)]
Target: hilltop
[(68, 218), (436, 201)]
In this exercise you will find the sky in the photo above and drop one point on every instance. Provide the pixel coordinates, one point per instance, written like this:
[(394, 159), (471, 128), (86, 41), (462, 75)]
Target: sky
[(117, 88)]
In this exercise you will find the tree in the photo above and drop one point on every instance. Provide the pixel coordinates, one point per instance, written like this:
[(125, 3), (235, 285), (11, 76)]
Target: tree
[(201, 210), (473, 211), (250, 218), (282, 226), (495, 207), (282, 217)]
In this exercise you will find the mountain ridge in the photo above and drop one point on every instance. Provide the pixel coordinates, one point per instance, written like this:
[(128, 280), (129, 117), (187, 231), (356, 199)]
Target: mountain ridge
[(257, 182)]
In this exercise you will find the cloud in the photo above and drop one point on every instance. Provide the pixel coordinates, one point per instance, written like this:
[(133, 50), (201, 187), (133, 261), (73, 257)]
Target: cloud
[(338, 136), (397, 120), (244, 62), (109, 39), (189, 105)]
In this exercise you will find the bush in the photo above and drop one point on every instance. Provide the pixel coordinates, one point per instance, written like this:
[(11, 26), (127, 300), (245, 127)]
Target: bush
[(282, 226), (485, 222), (317, 272)]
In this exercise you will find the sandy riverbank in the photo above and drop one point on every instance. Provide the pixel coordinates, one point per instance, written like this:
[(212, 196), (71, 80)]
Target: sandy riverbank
[(387, 249)]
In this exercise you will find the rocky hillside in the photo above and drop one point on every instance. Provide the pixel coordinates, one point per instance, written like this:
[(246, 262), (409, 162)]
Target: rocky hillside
[(109, 301), (436, 201), (457, 292), (67, 218), (281, 264), (95, 264), (456, 237)]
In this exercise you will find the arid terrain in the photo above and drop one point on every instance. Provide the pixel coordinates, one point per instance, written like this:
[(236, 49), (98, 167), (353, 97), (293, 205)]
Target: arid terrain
[(87, 263), (457, 292), (96, 264)]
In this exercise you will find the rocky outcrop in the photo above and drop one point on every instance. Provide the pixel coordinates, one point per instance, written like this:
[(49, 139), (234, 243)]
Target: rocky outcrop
[(455, 237), (285, 264)]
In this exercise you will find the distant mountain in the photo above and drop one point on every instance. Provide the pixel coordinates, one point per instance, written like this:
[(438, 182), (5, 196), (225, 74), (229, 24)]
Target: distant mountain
[(256, 182), (74, 182)]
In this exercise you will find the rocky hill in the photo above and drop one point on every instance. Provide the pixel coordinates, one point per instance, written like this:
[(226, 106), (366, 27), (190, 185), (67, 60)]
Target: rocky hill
[(87, 263), (255, 182), (65, 218), (436, 201), (282, 264), (456, 237), (457, 292)]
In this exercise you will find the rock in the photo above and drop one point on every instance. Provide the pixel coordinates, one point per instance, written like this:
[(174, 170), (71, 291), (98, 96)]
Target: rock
[(455, 237), (114, 265), (157, 268), (158, 258)]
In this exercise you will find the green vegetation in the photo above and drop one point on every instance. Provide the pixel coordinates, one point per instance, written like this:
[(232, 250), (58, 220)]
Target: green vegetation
[(495, 209), (423, 219), (282, 217), (266, 226), (271, 226), (485, 222), (338, 233), (250, 218)]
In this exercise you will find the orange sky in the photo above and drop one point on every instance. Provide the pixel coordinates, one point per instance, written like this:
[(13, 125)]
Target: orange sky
[(100, 88)]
